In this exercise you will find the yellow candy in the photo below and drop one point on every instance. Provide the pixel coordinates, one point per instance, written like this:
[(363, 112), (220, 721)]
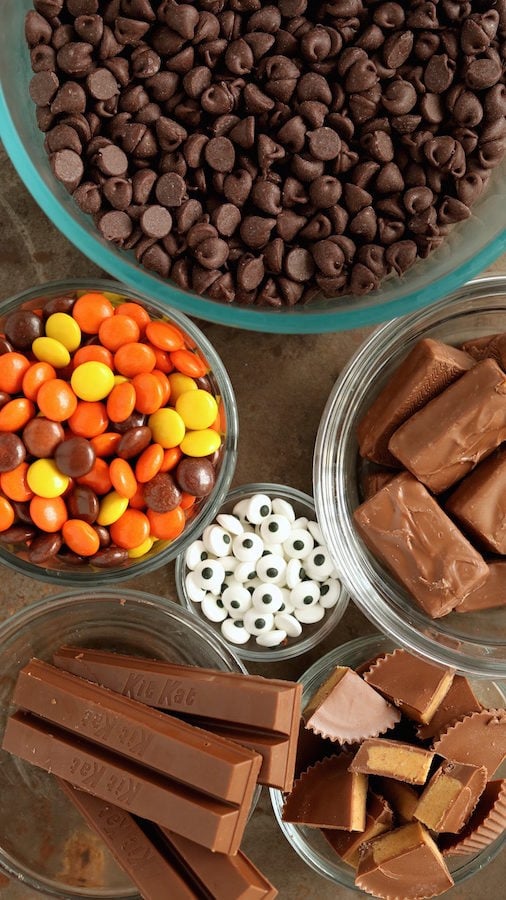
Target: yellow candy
[(92, 380), (198, 409), (120, 379), (45, 479), (167, 427), (64, 328), (200, 443), (112, 506), (180, 384), (142, 549), (49, 350)]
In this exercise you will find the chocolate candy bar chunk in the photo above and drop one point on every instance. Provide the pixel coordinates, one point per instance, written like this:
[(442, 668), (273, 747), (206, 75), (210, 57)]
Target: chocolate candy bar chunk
[(487, 822), (450, 796), (404, 863), (449, 436), (378, 819), (137, 855), (346, 709), (478, 739), (394, 759), (416, 686), (328, 795), (403, 798), (459, 701), (414, 538), (479, 504), (488, 595), (427, 370), (490, 345)]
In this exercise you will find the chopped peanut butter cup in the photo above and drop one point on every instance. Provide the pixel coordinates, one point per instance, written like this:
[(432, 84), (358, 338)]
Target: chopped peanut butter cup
[(413, 684), (329, 796)]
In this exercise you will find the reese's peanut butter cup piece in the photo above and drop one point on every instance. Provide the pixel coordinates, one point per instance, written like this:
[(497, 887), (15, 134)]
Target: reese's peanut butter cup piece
[(328, 796), (451, 796), (404, 864), (460, 701), (394, 759), (487, 822), (413, 684), (478, 739), (403, 798), (378, 819), (347, 710)]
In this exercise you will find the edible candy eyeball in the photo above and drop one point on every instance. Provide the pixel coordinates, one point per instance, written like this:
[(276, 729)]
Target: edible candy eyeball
[(248, 547), (210, 575), (299, 544), (245, 571), (230, 564), (302, 522), (288, 623), (307, 593), (329, 593), (315, 531), (294, 573), (318, 564), (282, 507), (230, 523), (309, 615), (267, 598), (271, 638), (239, 510), (256, 622), (275, 529), (271, 568), (217, 540), (195, 554), (236, 599), (193, 589), (233, 630), (213, 609), (258, 508)]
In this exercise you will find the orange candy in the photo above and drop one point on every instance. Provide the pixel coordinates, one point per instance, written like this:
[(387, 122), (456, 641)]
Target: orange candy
[(48, 515), (89, 418), (132, 359), (165, 383), (189, 363), (136, 312), (149, 463), (149, 392), (163, 361), (35, 377), (118, 330), (13, 367), (14, 484), (92, 353), (164, 336), (98, 478), (80, 537), (56, 400), (171, 457), (16, 414), (187, 500), (130, 530), (167, 526), (105, 444), (123, 479), (7, 514), (90, 310), (121, 401), (137, 501)]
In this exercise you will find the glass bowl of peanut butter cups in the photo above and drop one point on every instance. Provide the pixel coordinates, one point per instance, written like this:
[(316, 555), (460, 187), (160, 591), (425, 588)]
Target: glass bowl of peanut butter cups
[(258, 171), (400, 787), (409, 479)]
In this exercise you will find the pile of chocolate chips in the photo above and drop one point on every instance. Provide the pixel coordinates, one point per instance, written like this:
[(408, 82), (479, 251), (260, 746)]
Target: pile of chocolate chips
[(266, 154)]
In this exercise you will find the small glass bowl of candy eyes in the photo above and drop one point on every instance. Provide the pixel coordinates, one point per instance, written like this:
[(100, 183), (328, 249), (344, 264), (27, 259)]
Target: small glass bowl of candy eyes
[(261, 575), (118, 433)]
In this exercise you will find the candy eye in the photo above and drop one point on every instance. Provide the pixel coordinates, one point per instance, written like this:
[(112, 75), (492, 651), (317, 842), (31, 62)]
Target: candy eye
[(258, 508), (299, 544)]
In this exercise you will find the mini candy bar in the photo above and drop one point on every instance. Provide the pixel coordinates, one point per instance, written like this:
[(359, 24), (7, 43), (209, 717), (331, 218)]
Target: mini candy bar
[(328, 795), (346, 709), (218, 876), (407, 530), (459, 701), (416, 686), (149, 870), (404, 864), (187, 754), (487, 822), (372, 481), (445, 439), (394, 759), (479, 503), (489, 595), (490, 345), (251, 700), (378, 819), (215, 824), (450, 796), (478, 739), (427, 370), (403, 798)]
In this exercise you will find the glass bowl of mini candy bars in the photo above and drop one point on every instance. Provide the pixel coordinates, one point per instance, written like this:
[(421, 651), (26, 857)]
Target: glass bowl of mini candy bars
[(398, 858), (382, 140), (101, 478), (422, 557)]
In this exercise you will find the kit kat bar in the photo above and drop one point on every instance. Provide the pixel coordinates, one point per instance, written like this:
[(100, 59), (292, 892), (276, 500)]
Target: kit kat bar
[(211, 822), (199, 758), (251, 700), (221, 877), (151, 872)]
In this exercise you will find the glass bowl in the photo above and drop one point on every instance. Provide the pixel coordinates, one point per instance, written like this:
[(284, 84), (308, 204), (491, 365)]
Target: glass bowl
[(308, 842), (473, 245), (73, 573), (474, 643), (311, 634), (42, 837)]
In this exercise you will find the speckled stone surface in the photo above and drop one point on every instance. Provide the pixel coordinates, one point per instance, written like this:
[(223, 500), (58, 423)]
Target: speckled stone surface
[(281, 384)]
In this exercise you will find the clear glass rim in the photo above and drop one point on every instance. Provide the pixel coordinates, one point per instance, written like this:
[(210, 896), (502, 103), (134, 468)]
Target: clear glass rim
[(371, 589), (287, 321), (329, 622), (225, 474), (366, 646)]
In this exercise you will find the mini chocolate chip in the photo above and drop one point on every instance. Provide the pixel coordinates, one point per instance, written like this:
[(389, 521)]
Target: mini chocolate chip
[(170, 189), (115, 226), (68, 168), (156, 221)]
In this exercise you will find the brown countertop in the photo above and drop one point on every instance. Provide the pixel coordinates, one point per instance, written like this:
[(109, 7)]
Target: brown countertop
[(281, 384)]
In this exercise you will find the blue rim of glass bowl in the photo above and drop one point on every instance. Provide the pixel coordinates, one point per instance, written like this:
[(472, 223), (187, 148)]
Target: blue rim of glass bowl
[(288, 322)]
